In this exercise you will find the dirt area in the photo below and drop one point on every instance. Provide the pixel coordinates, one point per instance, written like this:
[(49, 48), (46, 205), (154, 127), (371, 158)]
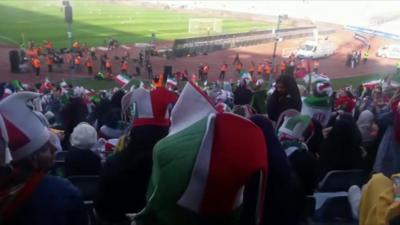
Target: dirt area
[(333, 66)]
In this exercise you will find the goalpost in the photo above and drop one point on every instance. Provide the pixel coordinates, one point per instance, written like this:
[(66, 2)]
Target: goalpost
[(204, 26)]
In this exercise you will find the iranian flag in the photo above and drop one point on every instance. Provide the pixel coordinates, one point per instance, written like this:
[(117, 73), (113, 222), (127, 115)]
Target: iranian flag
[(122, 79), (319, 108), (372, 84), (203, 165)]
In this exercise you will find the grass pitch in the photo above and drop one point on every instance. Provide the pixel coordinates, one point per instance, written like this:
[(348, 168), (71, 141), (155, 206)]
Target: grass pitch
[(95, 21)]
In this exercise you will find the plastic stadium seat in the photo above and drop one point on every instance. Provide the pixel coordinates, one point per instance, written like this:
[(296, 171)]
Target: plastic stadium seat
[(335, 209), (88, 185), (61, 155), (342, 180)]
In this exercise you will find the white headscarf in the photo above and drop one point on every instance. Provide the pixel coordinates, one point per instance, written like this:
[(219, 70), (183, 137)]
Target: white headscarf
[(364, 124)]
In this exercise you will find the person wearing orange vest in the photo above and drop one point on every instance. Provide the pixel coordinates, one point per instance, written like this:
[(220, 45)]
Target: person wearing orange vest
[(109, 66), (89, 65), (76, 46), (259, 69), (36, 65), (252, 67), (77, 63), (223, 69), (124, 66), (267, 70), (49, 62), (49, 47), (282, 67), (316, 66), (206, 68)]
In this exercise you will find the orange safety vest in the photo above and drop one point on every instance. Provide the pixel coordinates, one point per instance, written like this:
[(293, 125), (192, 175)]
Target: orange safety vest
[(108, 63), (251, 68), (49, 60), (75, 45), (267, 69), (124, 65), (260, 68), (49, 45), (36, 63), (89, 62), (282, 66), (223, 67), (77, 60)]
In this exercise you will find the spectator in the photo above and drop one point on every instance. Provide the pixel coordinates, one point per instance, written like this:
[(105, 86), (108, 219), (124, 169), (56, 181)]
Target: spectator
[(80, 159), (242, 94), (341, 149), (285, 96), (282, 185), (123, 183), (41, 199)]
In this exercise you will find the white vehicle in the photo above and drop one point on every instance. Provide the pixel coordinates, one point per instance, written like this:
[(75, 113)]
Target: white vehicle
[(315, 50), (389, 51)]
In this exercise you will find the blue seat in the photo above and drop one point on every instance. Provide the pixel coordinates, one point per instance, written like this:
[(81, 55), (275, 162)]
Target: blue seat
[(342, 180)]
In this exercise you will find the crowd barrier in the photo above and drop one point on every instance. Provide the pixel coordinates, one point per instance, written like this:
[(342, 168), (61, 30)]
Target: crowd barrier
[(201, 45), (373, 32)]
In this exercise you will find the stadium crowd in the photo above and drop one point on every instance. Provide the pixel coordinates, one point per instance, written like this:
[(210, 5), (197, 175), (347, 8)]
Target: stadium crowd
[(198, 152)]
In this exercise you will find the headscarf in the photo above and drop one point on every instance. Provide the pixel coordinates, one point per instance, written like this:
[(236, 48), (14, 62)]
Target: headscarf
[(364, 124), (277, 103), (280, 182), (341, 149)]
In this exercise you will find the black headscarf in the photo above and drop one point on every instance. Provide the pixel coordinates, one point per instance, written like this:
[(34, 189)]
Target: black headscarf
[(282, 185), (341, 149), (277, 103)]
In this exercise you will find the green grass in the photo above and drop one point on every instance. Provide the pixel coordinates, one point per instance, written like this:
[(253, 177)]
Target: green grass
[(107, 84), (95, 21)]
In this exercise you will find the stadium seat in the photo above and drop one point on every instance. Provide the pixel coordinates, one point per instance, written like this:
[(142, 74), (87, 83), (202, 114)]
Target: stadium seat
[(395, 221), (88, 186), (342, 180), (335, 209), (58, 168), (61, 155)]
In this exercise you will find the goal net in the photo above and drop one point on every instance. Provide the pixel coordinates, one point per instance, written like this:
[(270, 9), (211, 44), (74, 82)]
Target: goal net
[(205, 26)]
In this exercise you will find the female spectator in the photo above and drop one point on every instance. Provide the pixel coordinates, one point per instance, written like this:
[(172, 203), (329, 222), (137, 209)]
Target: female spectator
[(74, 112), (285, 96), (282, 185), (369, 132), (242, 94), (341, 149), (80, 160), (27, 194)]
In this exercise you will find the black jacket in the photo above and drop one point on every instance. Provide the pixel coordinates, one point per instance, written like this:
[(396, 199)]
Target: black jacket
[(82, 162), (123, 183)]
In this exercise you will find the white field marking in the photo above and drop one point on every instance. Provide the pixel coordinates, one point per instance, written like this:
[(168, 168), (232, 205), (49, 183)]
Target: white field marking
[(8, 39)]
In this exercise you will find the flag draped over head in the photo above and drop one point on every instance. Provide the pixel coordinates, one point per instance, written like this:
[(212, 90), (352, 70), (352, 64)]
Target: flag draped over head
[(203, 164)]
